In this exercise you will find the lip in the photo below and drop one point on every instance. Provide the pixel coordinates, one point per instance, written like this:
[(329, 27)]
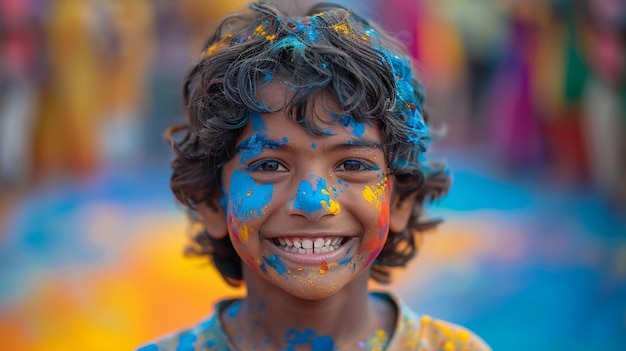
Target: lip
[(312, 259)]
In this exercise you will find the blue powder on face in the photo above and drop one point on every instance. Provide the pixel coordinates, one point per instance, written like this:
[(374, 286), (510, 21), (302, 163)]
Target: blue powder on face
[(345, 261), (314, 145), (251, 147), (258, 124), (309, 199), (248, 198), (350, 125), (275, 262), (254, 146)]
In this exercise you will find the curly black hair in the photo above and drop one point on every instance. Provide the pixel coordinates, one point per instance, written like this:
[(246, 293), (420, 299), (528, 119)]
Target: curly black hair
[(328, 50)]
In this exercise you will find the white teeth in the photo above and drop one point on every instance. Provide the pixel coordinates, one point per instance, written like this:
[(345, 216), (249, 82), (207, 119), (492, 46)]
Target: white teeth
[(309, 246), (319, 243)]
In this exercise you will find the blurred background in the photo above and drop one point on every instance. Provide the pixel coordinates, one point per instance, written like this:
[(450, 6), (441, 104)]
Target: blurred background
[(532, 97)]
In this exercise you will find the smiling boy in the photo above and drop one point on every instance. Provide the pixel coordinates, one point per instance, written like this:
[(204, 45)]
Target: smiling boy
[(303, 157)]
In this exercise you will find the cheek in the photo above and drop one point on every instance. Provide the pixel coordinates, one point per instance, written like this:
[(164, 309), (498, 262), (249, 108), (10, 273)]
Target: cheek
[(246, 202), (378, 197)]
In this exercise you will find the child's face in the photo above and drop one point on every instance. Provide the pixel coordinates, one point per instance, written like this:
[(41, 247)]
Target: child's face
[(308, 213)]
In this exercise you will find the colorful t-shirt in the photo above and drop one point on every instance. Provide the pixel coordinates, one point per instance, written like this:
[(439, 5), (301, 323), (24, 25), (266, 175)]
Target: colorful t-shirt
[(413, 333)]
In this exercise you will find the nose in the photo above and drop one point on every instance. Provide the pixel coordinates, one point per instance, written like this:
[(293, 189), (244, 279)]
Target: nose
[(312, 202)]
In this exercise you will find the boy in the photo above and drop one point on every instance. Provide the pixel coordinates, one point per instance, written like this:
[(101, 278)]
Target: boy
[(303, 158)]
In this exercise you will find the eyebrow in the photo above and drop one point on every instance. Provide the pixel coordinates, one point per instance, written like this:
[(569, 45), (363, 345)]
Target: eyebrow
[(359, 143), (256, 144)]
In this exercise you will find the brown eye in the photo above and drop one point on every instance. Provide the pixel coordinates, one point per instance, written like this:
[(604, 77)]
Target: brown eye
[(268, 166), (357, 166), (352, 165)]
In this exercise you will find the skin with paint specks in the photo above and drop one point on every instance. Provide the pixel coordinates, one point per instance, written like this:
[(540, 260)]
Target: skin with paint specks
[(285, 185)]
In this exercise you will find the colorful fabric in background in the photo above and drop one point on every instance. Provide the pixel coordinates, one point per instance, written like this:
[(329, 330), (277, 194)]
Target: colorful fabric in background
[(533, 251)]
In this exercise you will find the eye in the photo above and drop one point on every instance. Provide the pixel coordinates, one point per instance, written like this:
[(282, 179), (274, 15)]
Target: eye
[(267, 166), (356, 165)]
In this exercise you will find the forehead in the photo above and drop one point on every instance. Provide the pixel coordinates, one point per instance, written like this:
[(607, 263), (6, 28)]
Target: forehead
[(320, 116)]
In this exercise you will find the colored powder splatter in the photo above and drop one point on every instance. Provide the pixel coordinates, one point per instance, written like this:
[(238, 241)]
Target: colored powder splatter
[(275, 262), (345, 261), (350, 125), (247, 199), (256, 120), (341, 28), (408, 100), (311, 200), (378, 341), (323, 343), (376, 193), (323, 267), (241, 232), (186, 342), (255, 144), (233, 309)]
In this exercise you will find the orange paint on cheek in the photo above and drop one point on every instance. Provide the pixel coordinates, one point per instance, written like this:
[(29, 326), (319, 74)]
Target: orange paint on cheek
[(372, 244), (241, 232), (383, 219), (324, 267)]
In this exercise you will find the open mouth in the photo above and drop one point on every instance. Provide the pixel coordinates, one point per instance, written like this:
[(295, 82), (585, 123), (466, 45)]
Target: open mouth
[(309, 245)]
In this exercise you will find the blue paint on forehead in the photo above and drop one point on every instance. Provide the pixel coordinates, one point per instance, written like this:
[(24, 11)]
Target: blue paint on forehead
[(350, 125), (248, 198), (258, 124), (309, 199), (254, 145)]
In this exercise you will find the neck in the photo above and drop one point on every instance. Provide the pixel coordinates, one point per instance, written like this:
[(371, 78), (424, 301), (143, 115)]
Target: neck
[(270, 318)]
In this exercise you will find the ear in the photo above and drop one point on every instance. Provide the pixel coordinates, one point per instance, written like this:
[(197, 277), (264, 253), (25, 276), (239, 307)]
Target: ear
[(400, 212), (214, 219)]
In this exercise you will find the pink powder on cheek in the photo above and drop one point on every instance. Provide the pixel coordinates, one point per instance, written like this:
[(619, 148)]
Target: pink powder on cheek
[(234, 228), (376, 245)]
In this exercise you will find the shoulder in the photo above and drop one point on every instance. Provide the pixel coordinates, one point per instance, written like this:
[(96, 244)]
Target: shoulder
[(436, 334), (206, 335), (424, 333)]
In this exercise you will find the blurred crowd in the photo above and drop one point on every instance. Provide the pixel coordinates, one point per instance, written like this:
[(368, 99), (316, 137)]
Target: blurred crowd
[(536, 86)]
